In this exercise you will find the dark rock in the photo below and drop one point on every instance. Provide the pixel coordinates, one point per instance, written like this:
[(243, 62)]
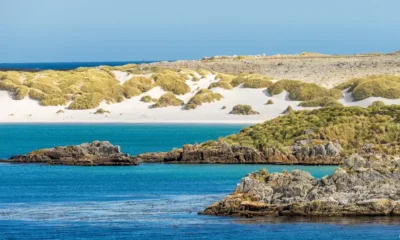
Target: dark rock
[(222, 152), (87, 154)]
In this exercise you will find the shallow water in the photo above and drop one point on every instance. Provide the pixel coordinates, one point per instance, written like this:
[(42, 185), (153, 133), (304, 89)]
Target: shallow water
[(155, 201)]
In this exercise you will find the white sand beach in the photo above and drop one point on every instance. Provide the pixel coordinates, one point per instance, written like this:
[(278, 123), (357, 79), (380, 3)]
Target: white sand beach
[(135, 111)]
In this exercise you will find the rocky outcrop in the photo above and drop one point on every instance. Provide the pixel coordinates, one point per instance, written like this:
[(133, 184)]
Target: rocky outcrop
[(87, 154), (222, 152), (359, 187)]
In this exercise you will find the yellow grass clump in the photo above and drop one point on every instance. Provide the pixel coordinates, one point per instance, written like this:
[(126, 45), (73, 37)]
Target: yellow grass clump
[(166, 100), (252, 81), (303, 91), (203, 96), (87, 101), (172, 81), (220, 84), (386, 86)]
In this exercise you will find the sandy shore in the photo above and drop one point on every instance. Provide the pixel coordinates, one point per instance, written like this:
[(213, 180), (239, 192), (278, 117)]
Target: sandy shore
[(134, 111)]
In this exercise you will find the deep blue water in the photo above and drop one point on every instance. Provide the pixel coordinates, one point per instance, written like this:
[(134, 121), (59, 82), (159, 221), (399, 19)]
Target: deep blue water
[(63, 65), (154, 201)]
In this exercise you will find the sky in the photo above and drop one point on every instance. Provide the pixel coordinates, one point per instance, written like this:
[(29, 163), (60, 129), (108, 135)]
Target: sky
[(127, 30)]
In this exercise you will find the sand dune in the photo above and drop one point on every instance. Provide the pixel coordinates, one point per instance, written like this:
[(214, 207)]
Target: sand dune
[(135, 111)]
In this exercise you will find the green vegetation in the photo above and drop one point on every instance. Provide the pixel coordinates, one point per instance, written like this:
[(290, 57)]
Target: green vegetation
[(141, 83), (172, 82), (352, 127), (321, 102), (270, 102), (223, 107), (251, 81), (60, 111), (87, 101), (203, 96), (148, 99), (225, 77), (101, 111), (166, 100), (243, 110), (303, 91), (377, 104), (53, 100), (289, 109), (221, 84), (385, 86), (53, 88)]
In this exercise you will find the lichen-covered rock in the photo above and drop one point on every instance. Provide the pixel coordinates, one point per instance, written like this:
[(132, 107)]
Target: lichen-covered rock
[(87, 154), (359, 187), (222, 152)]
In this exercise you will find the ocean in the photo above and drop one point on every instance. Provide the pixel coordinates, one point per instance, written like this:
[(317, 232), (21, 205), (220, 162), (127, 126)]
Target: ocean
[(150, 201), (63, 65)]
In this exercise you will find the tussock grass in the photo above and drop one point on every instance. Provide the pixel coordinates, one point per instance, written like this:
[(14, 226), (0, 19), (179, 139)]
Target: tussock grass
[(101, 111), (243, 110), (203, 73), (221, 84), (142, 83), (270, 102), (36, 94), (87, 101), (166, 100), (130, 92), (321, 102), (303, 91), (252, 81), (53, 100), (172, 81), (225, 77), (203, 96), (21, 92), (386, 86), (352, 127), (148, 99)]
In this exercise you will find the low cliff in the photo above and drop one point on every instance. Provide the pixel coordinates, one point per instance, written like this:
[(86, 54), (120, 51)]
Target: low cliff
[(222, 152), (359, 187), (87, 154)]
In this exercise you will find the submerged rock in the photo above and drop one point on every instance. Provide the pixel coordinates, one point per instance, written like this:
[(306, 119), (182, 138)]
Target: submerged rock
[(359, 187), (222, 152), (87, 154)]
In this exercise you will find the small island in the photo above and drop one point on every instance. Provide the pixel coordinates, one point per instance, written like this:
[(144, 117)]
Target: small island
[(360, 187), (87, 154)]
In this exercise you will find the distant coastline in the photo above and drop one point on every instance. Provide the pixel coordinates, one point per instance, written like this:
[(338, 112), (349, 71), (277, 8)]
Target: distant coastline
[(38, 66)]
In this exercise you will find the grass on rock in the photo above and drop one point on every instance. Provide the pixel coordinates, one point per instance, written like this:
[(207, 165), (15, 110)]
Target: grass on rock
[(352, 127)]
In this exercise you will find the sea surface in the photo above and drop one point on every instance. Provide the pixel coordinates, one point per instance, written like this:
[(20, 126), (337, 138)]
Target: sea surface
[(63, 65), (150, 201)]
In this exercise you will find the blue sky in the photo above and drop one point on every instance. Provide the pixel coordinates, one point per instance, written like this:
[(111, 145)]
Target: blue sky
[(123, 30)]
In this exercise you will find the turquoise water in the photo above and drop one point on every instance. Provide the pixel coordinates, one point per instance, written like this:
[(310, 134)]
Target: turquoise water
[(154, 201)]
